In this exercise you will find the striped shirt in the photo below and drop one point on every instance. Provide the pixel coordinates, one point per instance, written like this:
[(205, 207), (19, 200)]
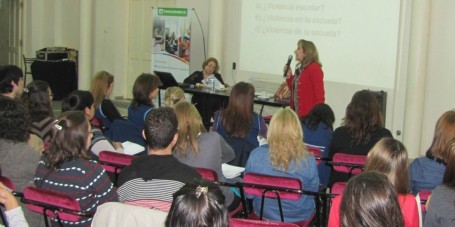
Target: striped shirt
[(151, 180), (81, 179)]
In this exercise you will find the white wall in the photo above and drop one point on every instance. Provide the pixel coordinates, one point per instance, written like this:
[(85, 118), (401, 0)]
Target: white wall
[(439, 88)]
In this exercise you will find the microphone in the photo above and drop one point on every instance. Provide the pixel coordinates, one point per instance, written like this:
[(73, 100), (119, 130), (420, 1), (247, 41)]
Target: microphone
[(287, 65)]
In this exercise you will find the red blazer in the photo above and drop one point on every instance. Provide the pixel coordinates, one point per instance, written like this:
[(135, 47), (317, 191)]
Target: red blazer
[(310, 89), (408, 205)]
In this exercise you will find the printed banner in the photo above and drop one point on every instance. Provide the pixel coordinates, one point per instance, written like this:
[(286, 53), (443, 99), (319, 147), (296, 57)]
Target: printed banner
[(171, 41)]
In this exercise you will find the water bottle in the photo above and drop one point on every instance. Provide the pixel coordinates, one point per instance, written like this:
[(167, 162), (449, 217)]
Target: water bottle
[(212, 82)]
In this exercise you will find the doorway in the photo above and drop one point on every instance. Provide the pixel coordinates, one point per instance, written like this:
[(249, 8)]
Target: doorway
[(10, 32)]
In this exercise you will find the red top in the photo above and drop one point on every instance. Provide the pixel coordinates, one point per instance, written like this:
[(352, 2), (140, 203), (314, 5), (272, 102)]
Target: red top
[(310, 89), (408, 205)]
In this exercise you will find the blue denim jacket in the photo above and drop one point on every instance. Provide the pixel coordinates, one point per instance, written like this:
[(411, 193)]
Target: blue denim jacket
[(320, 137), (305, 171), (425, 174)]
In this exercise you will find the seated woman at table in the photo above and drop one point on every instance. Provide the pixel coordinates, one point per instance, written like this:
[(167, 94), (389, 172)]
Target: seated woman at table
[(209, 104), (173, 95), (101, 89), (198, 148), (239, 118), (286, 156), (145, 89)]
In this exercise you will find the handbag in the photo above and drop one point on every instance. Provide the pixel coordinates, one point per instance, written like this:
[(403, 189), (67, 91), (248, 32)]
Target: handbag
[(283, 94)]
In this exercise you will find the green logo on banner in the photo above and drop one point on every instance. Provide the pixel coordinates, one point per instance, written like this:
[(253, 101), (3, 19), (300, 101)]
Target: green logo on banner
[(176, 12)]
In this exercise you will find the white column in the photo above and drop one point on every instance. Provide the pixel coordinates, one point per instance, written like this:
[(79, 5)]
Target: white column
[(215, 37), (85, 45), (417, 73)]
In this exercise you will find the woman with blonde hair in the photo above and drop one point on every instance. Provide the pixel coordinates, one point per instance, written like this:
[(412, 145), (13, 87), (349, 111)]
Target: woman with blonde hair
[(307, 83), (285, 155), (198, 148), (173, 95), (389, 157), (101, 89), (427, 172)]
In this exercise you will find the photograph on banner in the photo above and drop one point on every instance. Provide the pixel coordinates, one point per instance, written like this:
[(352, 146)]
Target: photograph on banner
[(171, 41)]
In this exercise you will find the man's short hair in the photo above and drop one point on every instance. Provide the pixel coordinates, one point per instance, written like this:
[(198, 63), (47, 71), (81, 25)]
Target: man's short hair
[(160, 127), (9, 73)]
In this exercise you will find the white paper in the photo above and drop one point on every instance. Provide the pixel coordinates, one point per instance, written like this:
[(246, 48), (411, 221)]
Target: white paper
[(230, 171), (132, 148)]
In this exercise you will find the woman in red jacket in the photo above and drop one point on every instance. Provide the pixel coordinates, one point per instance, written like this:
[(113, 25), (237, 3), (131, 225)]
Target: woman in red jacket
[(306, 85)]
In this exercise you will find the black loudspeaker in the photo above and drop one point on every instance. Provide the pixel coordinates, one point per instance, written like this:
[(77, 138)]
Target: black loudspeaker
[(61, 76), (381, 96)]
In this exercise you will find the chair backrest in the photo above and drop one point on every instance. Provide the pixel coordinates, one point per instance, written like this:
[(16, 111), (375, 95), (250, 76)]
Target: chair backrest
[(242, 149), (53, 204), (7, 182), (317, 153), (235, 222), (338, 188), (348, 163), (424, 194), (208, 174), (254, 185), (114, 162)]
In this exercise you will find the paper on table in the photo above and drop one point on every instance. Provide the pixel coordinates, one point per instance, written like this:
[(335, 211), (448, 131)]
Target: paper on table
[(132, 148), (230, 171)]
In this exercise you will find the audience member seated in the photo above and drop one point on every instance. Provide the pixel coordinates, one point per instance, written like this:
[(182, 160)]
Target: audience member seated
[(369, 199), (206, 105), (363, 127), (239, 118), (65, 169), (13, 212), (145, 89), (151, 180), (18, 160), (318, 129), (198, 204), (198, 148), (441, 205), (285, 155), (389, 157), (37, 97), (427, 172), (173, 95), (11, 81), (101, 89), (83, 101)]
